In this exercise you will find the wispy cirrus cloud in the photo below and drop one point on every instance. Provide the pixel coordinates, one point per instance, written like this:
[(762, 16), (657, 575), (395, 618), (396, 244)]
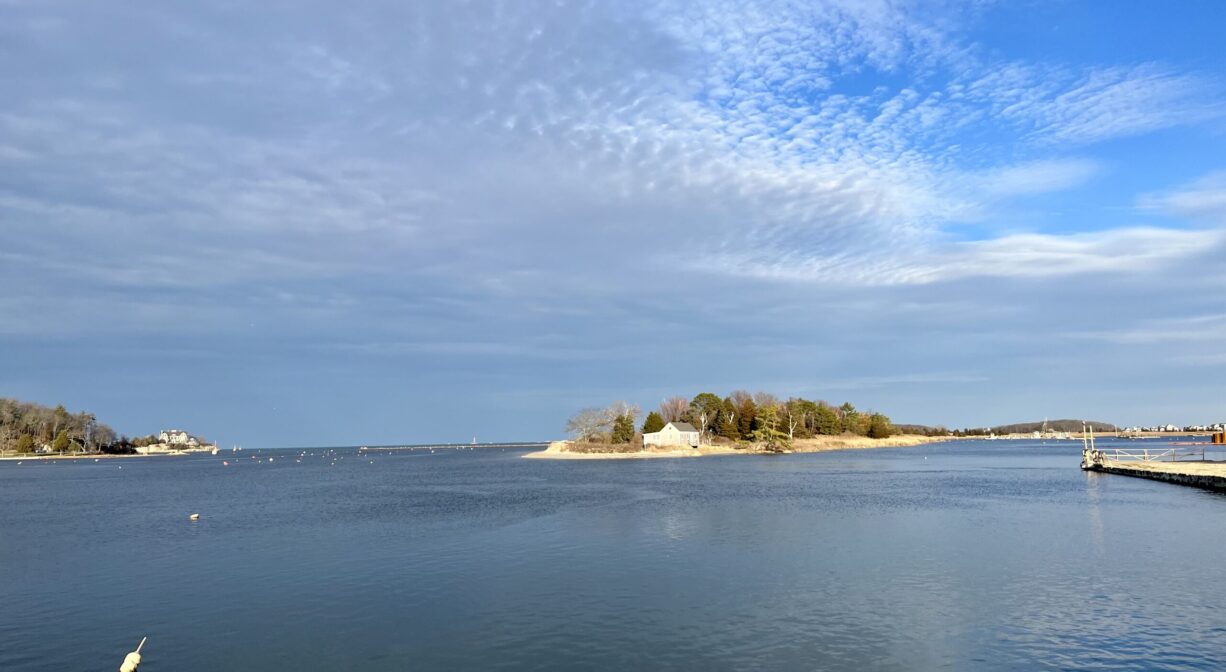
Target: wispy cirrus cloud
[(1203, 199)]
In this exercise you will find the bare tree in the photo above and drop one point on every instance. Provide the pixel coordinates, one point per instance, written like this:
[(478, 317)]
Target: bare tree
[(739, 397), (620, 408), (765, 399), (588, 422), (795, 418), (674, 408)]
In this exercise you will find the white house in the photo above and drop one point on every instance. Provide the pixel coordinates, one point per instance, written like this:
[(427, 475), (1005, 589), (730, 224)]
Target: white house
[(673, 434), (174, 436)]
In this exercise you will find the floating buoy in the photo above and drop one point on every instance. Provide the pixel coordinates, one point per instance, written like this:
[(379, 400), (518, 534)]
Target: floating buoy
[(225, 463), (194, 516), (132, 660)]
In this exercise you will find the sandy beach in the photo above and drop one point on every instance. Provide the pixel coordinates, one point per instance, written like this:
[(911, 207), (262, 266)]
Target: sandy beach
[(558, 449)]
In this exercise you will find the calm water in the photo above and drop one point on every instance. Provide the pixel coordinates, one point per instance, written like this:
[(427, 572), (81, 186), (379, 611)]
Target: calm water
[(970, 556)]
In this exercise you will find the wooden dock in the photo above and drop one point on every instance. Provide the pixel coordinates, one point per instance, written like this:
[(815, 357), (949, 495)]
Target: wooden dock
[(1171, 464), (1210, 475)]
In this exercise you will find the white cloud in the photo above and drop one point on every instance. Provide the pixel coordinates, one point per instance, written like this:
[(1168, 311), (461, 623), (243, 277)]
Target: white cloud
[(1058, 104), (1037, 177), (1032, 255), (1203, 199)]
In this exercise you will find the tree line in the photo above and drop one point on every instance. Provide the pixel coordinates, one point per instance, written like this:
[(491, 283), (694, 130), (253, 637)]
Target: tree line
[(28, 427), (760, 418)]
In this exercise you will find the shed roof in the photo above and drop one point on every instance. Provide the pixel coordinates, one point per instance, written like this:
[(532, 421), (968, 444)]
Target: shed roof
[(683, 426)]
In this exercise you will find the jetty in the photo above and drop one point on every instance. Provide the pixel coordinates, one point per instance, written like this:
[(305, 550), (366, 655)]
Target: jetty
[(1173, 465)]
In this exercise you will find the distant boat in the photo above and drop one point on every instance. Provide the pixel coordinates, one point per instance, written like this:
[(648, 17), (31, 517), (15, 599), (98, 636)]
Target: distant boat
[(474, 441), (215, 450)]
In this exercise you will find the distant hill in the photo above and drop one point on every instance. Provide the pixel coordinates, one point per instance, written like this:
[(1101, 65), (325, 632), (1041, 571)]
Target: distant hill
[(1073, 426), (1053, 425)]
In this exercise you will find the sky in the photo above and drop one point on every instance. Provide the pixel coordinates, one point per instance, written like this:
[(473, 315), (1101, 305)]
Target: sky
[(299, 223)]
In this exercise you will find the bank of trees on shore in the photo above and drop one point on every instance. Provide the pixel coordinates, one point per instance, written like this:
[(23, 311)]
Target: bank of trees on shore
[(28, 428), (762, 419)]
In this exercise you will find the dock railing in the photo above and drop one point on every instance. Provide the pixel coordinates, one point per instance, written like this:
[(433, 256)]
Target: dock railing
[(1172, 454), (1093, 457)]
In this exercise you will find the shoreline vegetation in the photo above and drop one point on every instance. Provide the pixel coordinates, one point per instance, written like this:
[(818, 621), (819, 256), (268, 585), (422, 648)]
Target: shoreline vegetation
[(577, 450), (30, 431)]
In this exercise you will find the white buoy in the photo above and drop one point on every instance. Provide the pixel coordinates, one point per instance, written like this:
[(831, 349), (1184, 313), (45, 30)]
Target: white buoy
[(194, 516), (132, 660)]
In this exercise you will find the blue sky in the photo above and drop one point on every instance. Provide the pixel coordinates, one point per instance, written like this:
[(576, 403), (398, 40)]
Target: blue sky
[(404, 222)]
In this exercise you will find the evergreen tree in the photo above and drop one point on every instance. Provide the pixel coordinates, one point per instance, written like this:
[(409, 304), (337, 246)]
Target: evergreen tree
[(727, 426), (61, 442), (653, 423), (745, 418), (826, 421), (769, 433), (25, 443), (623, 429), (850, 419), (879, 427), (704, 411)]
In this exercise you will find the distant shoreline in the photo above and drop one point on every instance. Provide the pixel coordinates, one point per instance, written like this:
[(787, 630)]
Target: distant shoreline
[(558, 449), (101, 456)]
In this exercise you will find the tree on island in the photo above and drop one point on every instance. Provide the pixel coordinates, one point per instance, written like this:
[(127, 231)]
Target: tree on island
[(768, 433), (61, 443), (587, 423), (826, 420), (849, 418), (879, 427), (25, 443), (747, 413), (727, 426), (797, 414), (704, 412), (623, 429), (674, 409), (653, 423)]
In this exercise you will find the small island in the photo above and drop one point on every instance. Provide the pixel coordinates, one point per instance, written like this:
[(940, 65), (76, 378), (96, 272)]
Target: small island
[(740, 423)]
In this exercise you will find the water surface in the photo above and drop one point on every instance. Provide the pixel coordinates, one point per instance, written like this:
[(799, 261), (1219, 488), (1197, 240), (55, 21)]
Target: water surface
[(967, 556)]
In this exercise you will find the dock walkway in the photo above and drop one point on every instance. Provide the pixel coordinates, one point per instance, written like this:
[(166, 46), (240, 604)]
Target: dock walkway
[(1207, 474)]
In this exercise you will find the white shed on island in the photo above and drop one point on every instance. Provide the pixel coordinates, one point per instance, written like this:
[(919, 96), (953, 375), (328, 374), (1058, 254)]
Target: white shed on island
[(673, 434)]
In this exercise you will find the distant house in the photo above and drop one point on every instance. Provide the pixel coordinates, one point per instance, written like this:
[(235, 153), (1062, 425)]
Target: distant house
[(673, 434), (175, 436)]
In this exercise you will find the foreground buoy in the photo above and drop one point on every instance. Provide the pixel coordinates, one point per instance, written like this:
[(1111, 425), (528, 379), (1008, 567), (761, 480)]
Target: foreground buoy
[(132, 660), (194, 516)]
